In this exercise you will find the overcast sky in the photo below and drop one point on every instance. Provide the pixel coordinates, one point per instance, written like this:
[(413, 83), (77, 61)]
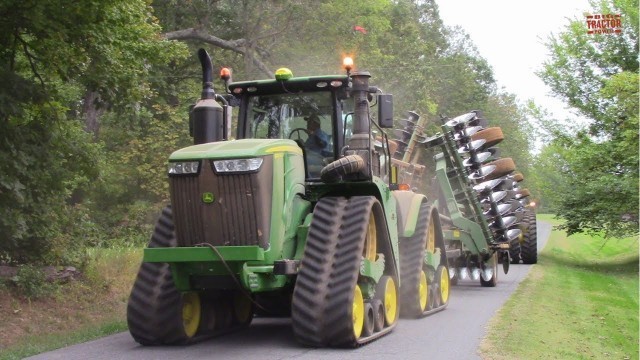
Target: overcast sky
[(510, 35)]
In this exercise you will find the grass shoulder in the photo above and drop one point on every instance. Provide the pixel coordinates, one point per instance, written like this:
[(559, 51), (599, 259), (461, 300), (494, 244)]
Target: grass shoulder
[(580, 301), (75, 312)]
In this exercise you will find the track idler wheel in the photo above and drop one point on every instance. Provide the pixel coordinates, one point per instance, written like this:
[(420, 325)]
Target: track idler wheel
[(442, 276)]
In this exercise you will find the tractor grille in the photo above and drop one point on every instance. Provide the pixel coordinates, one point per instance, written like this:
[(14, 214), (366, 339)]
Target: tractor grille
[(238, 215)]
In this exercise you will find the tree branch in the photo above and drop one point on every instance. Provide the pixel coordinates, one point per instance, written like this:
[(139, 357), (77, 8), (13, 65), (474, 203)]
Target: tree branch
[(238, 46)]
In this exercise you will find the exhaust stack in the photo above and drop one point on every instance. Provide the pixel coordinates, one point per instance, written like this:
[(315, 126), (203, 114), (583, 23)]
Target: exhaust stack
[(206, 117)]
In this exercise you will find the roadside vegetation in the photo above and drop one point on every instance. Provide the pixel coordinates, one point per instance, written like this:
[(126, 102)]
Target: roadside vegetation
[(579, 302), (54, 316)]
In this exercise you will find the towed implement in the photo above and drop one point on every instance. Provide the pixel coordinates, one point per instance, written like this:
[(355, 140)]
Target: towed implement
[(301, 215)]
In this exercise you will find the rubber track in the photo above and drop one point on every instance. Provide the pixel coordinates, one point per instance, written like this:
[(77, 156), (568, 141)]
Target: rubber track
[(311, 290), (411, 256), (154, 307), (322, 299), (529, 247)]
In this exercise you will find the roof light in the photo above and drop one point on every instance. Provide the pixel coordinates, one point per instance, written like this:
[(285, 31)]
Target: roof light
[(283, 74), (225, 74), (347, 63)]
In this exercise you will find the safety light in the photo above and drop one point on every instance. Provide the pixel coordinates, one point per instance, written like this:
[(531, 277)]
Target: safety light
[(347, 63), (404, 187), (225, 74), (184, 168), (283, 74), (237, 165)]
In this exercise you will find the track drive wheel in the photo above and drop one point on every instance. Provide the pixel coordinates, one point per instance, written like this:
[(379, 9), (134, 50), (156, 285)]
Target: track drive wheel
[(442, 276), (387, 291)]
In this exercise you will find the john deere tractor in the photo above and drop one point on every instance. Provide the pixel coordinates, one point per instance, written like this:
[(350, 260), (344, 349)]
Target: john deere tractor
[(300, 215)]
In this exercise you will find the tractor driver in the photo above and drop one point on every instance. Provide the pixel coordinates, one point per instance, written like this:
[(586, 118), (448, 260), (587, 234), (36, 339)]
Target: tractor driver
[(317, 145)]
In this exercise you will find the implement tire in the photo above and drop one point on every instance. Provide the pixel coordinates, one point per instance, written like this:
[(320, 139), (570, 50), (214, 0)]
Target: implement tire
[(529, 246)]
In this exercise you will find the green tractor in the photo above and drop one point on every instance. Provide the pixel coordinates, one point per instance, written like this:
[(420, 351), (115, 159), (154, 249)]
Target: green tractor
[(300, 215)]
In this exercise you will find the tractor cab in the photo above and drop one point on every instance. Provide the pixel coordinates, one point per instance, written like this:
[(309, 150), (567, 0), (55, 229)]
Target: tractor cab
[(306, 110)]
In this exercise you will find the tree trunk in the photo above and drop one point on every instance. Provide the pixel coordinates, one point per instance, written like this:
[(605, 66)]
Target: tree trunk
[(91, 112)]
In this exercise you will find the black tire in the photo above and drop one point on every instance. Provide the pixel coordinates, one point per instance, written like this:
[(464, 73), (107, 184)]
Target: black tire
[(350, 164), (514, 250), (493, 281), (154, 309), (529, 246), (411, 257)]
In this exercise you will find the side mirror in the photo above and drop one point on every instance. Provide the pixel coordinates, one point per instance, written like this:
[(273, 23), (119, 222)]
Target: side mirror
[(385, 111)]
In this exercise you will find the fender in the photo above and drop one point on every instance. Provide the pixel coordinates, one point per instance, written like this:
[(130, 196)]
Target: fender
[(408, 204)]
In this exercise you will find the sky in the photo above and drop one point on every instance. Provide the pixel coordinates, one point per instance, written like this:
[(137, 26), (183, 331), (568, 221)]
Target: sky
[(510, 35)]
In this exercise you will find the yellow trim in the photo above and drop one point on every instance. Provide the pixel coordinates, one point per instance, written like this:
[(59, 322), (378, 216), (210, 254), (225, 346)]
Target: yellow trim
[(357, 312), (390, 301), (191, 313), (444, 285), (423, 291), (285, 148)]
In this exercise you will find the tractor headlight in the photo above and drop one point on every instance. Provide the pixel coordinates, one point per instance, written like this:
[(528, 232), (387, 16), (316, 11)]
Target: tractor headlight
[(184, 167), (237, 165)]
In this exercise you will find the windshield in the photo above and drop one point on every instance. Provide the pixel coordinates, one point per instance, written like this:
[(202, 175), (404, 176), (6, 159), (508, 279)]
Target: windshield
[(276, 116), (303, 117)]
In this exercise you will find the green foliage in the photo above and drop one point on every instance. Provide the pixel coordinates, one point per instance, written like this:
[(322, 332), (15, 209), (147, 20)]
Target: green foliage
[(31, 282), (598, 76), (52, 54)]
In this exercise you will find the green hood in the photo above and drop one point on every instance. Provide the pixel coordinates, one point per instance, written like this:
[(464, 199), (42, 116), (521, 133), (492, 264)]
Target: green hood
[(236, 149)]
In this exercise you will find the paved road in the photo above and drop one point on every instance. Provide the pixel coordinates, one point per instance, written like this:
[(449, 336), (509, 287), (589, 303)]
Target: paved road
[(455, 333)]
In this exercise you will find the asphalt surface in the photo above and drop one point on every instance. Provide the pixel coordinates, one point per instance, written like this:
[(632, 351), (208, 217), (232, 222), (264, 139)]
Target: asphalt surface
[(454, 333)]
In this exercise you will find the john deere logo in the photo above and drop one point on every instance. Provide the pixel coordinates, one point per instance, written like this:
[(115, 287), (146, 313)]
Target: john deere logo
[(207, 198)]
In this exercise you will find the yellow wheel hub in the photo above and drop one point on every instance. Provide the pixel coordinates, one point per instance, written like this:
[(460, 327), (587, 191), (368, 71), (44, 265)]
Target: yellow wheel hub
[(191, 312), (444, 285), (370, 246), (358, 312), (423, 291), (390, 301)]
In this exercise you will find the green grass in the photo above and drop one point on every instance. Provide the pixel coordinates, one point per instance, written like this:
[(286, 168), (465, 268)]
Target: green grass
[(34, 344), (579, 302)]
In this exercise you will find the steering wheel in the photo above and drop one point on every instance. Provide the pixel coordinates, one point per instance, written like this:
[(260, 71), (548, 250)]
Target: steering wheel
[(298, 132)]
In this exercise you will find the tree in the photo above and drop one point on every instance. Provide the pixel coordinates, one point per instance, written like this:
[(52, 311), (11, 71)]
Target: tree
[(61, 64), (597, 74)]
